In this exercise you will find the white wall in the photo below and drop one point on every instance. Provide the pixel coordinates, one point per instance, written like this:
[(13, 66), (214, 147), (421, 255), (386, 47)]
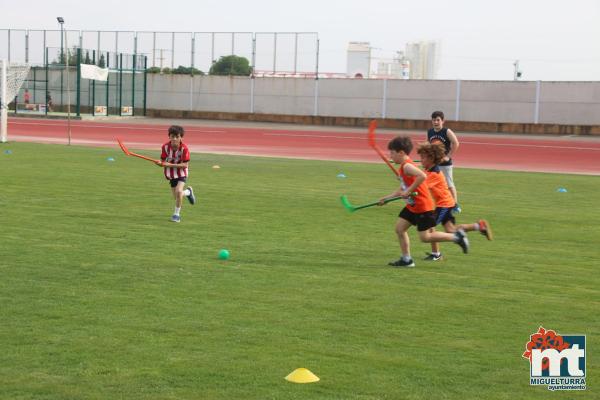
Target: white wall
[(570, 103)]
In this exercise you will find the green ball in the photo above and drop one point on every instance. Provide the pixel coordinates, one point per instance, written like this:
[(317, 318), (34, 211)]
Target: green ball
[(224, 254)]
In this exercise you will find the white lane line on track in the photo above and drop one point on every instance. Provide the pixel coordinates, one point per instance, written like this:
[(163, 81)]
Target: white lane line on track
[(545, 146), (311, 136), (314, 136)]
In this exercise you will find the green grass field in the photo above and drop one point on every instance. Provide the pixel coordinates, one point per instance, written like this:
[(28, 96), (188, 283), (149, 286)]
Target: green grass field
[(103, 298)]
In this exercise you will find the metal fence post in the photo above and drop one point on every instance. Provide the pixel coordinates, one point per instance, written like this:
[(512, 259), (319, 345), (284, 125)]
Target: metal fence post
[(457, 109), (192, 71), (107, 84), (47, 88), (536, 115), (316, 106), (78, 107), (252, 77), (384, 100), (172, 50), (94, 85), (27, 46), (145, 81), (133, 75), (120, 64)]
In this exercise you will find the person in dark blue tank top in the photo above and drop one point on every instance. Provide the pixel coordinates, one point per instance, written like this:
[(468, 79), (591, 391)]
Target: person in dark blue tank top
[(445, 136)]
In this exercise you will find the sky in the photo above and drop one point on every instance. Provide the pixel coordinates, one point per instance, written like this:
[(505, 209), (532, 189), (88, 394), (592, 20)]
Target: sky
[(553, 40)]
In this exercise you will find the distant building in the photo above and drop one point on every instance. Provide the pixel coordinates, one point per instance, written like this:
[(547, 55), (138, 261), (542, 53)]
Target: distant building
[(397, 68), (424, 59), (358, 63)]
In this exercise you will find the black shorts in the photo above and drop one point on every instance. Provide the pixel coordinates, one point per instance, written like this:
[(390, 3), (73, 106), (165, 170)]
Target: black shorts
[(174, 182), (443, 215), (423, 221)]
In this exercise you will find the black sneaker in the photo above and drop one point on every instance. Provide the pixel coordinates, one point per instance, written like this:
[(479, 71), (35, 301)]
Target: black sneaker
[(462, 240), (401, 263), (432, 257), (191, 198)]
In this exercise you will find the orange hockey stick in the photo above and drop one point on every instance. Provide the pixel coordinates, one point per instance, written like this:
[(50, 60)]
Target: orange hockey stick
[(129, 153)]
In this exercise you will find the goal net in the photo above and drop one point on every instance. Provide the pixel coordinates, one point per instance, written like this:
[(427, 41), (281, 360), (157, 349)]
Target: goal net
[(12, 76)]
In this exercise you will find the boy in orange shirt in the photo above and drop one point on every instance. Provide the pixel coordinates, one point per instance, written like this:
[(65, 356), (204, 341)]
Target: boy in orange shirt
[(431, 155), (419, 209)]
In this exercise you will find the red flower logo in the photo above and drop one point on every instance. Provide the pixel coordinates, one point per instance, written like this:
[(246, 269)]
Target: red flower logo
[(545, 339)]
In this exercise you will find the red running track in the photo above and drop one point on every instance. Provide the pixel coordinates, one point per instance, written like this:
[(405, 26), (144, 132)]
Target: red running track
[(578, 155)]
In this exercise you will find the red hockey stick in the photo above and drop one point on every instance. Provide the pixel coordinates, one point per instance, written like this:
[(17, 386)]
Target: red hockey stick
[(129, 153), (373, 144)]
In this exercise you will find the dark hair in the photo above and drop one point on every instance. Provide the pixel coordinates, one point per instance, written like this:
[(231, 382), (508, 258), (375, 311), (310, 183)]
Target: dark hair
[(435, 151), (436, 114), (401, 143), (176, 130)]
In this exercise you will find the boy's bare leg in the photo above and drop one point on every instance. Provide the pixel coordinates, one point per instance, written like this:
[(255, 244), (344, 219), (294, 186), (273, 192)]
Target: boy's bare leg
[(467, 227), (401, 231), (482, 226), (433, 236), (458, 237), (178, 193)]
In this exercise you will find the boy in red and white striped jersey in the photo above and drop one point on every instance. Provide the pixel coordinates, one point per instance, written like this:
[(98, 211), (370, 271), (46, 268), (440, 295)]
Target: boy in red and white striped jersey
[(175, 158)]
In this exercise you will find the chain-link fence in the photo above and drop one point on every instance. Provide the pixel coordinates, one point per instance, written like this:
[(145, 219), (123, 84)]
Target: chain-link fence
[(272, 52), (58, 86)]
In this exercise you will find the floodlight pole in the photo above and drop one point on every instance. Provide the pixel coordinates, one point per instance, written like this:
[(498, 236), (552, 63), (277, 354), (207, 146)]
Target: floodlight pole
[(61, 21)]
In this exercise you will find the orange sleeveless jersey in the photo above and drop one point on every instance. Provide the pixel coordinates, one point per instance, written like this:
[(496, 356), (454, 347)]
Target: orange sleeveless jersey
[(439, 188), (423, 200)]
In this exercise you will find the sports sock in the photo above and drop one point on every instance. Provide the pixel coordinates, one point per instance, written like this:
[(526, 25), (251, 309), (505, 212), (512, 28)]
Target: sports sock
[(476, 226), (406, 258), (177, 210), (436, 254), (187, 192)]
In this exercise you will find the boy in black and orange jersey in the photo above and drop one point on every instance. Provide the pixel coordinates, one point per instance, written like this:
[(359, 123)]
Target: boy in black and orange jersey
[(431, 156), (439, 134), (420, 208)]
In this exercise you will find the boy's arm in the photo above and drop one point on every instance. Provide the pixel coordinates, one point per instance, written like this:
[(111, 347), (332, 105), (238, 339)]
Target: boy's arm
[(412, 170), (455, 143), (171, 165), (163, 163)]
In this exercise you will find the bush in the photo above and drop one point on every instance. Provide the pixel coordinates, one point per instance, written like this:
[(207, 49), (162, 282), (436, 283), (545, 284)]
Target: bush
[(231, 65)]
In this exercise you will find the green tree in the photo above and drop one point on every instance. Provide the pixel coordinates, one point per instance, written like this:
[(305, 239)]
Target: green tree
[(87, 59), (63, 54), (231, 65), (187, 71), (102, 61)]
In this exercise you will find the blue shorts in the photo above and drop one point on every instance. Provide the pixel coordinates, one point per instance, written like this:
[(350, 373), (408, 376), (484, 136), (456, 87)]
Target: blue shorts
[(174, 182), (443, 215)]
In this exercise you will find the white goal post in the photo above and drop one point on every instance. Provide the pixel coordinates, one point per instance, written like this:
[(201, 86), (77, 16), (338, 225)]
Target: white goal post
[(12, 76)]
